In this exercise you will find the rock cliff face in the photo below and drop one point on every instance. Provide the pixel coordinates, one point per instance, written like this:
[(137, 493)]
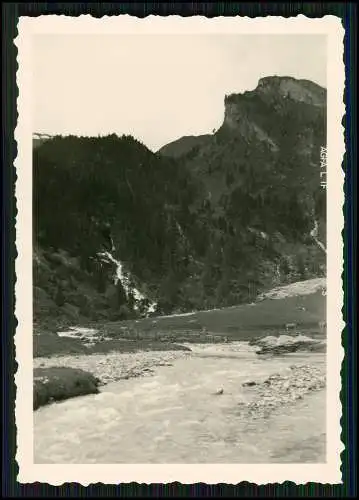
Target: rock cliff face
[(276, 112), (205, 222), (274, 96), (267, 150), (303, 91)]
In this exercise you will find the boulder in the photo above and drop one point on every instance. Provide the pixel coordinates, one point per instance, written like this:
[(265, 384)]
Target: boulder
[(287, 343), (251, 383)]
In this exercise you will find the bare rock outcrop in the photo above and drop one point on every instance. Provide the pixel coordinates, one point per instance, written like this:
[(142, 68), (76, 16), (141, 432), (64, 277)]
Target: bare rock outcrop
[(287, 343)]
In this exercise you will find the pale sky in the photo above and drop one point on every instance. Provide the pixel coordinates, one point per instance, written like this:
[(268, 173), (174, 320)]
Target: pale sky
[(157, 87)]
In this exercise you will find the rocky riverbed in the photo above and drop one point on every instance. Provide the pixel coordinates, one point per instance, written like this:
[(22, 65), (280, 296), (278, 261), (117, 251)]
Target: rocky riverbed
[(282, 389), (114, 366), (276, 390), (216, 404)]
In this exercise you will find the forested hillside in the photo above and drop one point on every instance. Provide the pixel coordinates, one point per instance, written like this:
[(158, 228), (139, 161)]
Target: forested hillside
[(211, 223)]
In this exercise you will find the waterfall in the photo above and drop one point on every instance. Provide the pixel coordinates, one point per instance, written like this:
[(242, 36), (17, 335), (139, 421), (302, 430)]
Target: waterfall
[(126, 282), (314, 234)]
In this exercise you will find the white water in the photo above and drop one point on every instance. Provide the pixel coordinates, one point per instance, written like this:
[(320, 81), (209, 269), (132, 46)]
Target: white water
[(179, 315), (89, 336), (314, 234), (174, 417), (76, 331), (124, 278)]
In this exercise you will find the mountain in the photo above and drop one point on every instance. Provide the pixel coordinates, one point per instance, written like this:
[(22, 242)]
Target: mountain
[(205, 222), (184, 145), (96, 200)]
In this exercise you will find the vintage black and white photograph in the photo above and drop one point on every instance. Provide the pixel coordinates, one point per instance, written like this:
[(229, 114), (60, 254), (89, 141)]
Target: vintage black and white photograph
[(179, 228)]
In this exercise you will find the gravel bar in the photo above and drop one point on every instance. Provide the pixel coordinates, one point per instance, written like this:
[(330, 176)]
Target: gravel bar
[(114, 366), (281, 389)]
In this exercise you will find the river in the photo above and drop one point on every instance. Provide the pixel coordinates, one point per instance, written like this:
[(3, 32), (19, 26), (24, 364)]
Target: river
[(186, 413)]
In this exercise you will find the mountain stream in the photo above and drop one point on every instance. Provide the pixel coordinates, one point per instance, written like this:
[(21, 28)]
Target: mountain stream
[(189, 412)]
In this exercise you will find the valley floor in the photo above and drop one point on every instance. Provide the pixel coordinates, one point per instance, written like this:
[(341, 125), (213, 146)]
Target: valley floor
[(195, 409), (191, 388)]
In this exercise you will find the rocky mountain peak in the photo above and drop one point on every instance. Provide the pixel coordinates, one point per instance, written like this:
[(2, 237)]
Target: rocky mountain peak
[(262, 114), (303, 91)]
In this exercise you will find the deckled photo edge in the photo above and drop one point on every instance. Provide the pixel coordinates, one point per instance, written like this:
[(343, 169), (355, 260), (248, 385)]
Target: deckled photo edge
[(211, 474)]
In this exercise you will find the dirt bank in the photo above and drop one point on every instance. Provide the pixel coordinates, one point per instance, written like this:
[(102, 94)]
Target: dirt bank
[(59, 383)]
